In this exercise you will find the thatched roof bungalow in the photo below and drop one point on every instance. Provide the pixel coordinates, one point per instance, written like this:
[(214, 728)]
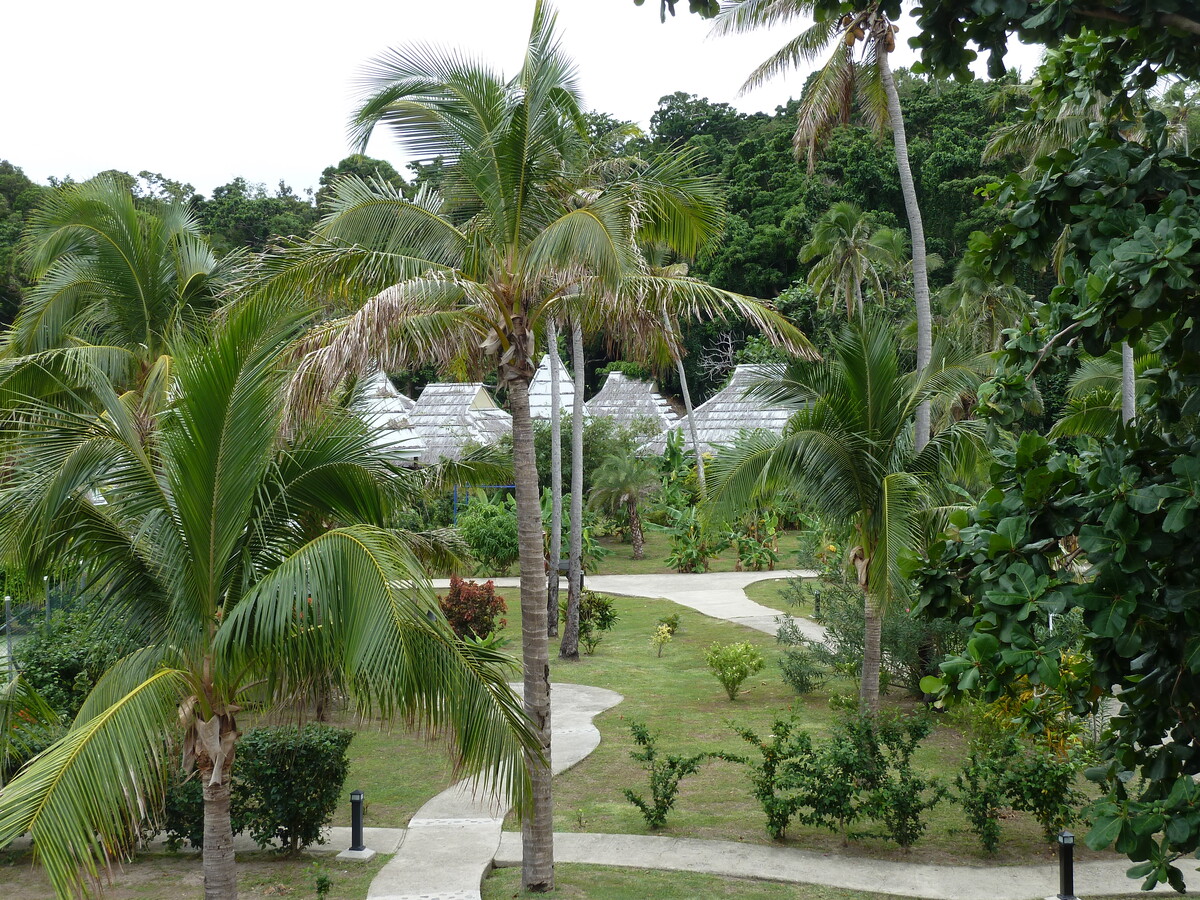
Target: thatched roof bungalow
[(626, 400), (449, 416), (720, 418)]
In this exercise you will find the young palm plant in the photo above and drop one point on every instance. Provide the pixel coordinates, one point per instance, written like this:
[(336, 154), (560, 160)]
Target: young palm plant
[(520, 233), (249, 560), (621, 483), (849, 451)]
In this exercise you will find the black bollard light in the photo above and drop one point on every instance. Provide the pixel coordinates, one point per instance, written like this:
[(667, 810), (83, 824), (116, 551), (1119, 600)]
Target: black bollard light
[(1066, 866), (356, 821), (816, 604)]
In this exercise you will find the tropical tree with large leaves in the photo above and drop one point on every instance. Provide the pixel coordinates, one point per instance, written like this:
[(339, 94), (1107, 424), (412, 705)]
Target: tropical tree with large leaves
[(518, 234), (250, 559), (856, 72), (849, 451)]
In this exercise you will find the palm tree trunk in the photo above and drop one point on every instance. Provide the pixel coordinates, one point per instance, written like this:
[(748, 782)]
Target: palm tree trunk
[(872, 656), (555, 482), (1128, 384), (569, 648), (635, 530), (537, 827), (916, 229), (687, 405), (217, 858)]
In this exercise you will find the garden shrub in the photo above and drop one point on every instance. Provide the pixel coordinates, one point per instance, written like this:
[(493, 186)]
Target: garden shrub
[(733, 664), (490, 530), (665, 775), (286, 785), (756, 540), (473, 610), (290, 780), (981, 785), (661, 637), (780, 774), (691, 546), (802, 670), (1041, 782), (64, 659), (597, 614)]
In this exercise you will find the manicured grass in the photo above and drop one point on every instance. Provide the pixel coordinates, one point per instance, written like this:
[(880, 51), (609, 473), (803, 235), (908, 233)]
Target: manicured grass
[(620, 560), (680, 700), (578, 882), (771, 593), (154, 876), (397, 769)]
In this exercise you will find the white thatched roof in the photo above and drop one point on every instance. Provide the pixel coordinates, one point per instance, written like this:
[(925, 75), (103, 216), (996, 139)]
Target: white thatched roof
[(720, 418), (539, 390), (381, 405), (448, 416), (385, 411), (626, 399)]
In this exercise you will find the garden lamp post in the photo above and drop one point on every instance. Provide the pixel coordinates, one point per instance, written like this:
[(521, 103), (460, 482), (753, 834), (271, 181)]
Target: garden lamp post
[(1066, 866)]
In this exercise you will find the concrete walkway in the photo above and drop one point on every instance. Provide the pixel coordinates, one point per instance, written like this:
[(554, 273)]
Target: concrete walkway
[(1092, 879), (720, 595), (451, 841)]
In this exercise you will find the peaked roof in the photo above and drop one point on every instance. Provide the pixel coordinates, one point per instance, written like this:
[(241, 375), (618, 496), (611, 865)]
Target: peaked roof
[(385, 411), (626, 399), (722, 416), (539, 390), (448, 416), (382, 406)]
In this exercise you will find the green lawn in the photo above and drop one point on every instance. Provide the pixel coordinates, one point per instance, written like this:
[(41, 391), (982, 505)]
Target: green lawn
[(680, 700), (620, 559), (771, 593)]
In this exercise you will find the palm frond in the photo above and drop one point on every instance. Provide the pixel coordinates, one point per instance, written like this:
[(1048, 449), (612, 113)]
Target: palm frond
[(83, 798)]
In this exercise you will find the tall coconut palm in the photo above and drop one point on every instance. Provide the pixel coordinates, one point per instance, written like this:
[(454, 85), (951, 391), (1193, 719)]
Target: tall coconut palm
[(843, 80), (569, 646), (849, 450), (114, 283), (1099, 395), (473, 273), (211, 541)]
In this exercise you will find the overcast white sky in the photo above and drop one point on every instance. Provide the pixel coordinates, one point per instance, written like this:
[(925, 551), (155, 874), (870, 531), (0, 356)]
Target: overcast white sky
[(204, 92)]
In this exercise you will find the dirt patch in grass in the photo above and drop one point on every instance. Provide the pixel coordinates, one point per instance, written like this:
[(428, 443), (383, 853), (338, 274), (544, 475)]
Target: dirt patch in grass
[(178, 876)]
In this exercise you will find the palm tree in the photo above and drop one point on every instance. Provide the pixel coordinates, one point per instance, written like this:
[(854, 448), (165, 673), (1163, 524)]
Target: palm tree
[(838, 84), (569, 646), (1099, 396), (517, 236), (212, 541), (849, 250), (555, 480), (622, 482), (114, 283), (849, 450), (981, 305)]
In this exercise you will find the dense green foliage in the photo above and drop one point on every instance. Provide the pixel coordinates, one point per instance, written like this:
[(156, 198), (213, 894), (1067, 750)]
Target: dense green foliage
[(732, 664), (287, 786), (63, 659), (490, 529)]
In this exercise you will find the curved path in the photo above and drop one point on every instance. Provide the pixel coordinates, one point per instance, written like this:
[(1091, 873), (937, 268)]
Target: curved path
[(454, 832), (720, 595), (451, 841)]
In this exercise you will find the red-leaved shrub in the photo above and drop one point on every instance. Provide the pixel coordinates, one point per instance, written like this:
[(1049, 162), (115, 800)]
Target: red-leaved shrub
[(473, 609)]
